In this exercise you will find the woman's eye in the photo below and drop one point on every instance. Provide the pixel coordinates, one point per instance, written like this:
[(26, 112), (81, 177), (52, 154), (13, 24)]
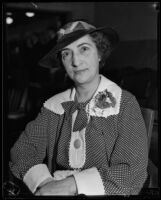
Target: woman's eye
[(66, 55), (84, 49)]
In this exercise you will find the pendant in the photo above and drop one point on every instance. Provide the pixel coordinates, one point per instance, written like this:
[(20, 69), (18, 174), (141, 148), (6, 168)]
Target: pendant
[(77, 143)]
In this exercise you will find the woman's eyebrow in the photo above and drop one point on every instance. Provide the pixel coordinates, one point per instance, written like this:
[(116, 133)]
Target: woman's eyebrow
[(65, 49), (84, 43)]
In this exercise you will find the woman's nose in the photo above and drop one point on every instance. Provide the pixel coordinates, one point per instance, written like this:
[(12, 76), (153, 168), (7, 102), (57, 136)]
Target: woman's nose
[(76, 60)]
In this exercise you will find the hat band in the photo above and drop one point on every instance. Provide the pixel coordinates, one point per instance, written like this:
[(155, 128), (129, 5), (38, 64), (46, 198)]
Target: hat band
[(72, 34)]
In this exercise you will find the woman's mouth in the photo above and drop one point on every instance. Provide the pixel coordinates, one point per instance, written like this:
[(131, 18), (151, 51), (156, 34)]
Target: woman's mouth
[(80, 71)]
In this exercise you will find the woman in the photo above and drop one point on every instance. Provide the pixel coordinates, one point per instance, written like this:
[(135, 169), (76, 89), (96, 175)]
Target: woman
[(93, 134)]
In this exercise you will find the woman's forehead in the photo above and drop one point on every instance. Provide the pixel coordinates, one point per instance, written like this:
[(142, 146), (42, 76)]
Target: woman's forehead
[(83, 40)]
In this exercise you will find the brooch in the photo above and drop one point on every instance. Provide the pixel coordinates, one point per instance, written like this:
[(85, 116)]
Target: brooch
[(99, 105), (105, 99)]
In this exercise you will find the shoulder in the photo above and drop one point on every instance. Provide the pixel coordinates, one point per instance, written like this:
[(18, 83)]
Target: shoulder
[(54, 103), (129, 105), (121, 97), (128, 98)]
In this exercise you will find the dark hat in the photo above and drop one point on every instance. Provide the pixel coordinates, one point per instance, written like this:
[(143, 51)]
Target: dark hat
[(73, 31)]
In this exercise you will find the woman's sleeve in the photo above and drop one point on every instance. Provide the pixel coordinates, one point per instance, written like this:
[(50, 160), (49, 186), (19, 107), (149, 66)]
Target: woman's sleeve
[(126, 172), (29, 151)]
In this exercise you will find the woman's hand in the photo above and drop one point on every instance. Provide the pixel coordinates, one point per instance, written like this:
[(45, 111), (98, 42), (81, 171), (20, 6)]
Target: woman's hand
[(66, 186)]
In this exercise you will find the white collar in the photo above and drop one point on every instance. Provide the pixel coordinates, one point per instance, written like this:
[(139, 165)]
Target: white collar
[(54, 103)]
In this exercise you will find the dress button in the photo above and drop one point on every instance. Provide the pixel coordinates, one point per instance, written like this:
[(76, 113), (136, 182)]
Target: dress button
[(77, 143)]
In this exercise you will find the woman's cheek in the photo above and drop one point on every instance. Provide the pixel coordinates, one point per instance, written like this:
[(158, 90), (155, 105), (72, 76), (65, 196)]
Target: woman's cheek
[(69, 72), (67, 69)]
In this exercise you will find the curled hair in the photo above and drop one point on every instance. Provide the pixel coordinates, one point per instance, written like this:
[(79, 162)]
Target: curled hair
[(103, 45)]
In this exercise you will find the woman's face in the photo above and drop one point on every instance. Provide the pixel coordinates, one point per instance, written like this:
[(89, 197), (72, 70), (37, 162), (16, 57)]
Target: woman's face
[(81, 60)]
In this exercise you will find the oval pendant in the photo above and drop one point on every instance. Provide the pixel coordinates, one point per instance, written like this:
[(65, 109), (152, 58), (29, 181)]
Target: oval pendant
[(77, 143)]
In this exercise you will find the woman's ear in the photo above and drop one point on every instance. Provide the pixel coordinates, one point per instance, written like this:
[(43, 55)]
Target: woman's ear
[(99, 56)]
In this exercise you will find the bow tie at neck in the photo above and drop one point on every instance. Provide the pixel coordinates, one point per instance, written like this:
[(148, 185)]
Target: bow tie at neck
[(81, 119)]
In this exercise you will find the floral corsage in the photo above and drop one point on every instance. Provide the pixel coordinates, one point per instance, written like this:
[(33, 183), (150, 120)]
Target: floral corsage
[(104, 100), (101, 103)]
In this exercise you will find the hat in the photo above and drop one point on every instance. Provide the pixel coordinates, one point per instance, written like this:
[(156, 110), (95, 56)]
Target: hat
[(73, 31)]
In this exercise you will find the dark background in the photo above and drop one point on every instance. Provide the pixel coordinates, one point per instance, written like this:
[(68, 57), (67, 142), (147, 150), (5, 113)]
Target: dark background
[(26, 85)]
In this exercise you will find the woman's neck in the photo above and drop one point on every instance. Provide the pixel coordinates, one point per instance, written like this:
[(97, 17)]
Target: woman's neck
[(85, 92)]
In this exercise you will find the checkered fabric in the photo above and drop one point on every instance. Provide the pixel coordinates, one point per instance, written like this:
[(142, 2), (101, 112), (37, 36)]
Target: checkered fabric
[(81, 119), (116, 146)]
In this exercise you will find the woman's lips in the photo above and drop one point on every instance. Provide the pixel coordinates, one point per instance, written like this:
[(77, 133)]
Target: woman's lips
[(80, 71)]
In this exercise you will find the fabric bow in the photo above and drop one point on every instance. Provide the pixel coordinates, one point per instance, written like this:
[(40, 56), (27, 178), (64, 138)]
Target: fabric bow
[(81, 120)]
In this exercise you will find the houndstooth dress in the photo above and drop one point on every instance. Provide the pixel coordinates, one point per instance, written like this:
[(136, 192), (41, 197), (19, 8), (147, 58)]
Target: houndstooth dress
[(113, 154)]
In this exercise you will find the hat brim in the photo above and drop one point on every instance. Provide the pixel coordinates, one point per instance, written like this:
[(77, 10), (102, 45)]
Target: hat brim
[(49, 58)]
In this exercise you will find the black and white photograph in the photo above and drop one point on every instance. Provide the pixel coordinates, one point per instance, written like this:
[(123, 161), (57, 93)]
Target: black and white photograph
[(80, 99)]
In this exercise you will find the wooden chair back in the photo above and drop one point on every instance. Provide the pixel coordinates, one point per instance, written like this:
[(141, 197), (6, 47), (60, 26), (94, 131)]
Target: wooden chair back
[(148, 115), (16, 99)]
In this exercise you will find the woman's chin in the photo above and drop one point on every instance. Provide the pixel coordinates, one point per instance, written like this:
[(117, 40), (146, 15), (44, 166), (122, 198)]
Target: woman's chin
[(81, 79), (78, 78), (80, 82)]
